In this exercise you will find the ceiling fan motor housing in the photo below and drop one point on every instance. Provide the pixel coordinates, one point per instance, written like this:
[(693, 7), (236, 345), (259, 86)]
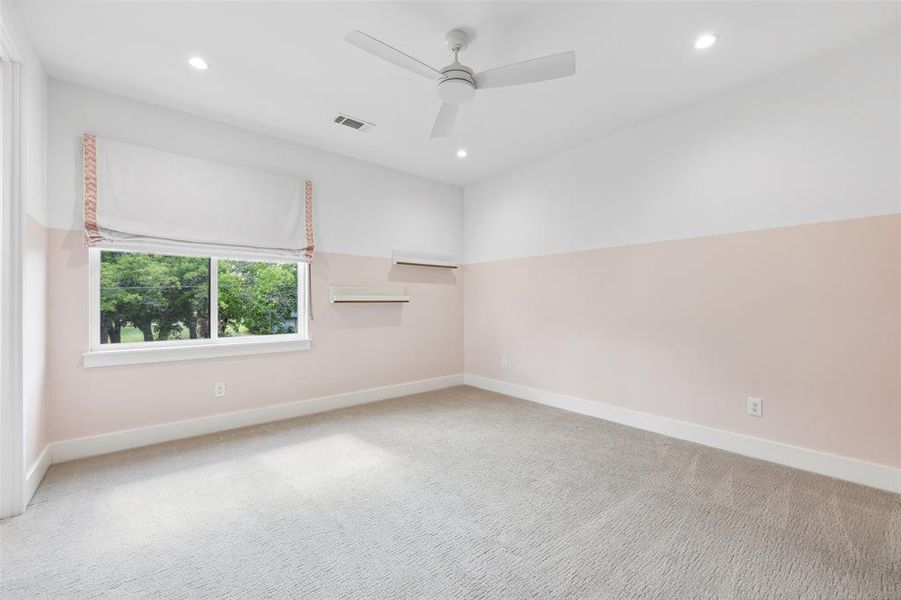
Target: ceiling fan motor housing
[(457, 84)]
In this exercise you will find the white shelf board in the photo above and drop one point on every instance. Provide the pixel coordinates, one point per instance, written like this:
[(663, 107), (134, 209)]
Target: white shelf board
[(348, 294), (422, 260), (360, 298)]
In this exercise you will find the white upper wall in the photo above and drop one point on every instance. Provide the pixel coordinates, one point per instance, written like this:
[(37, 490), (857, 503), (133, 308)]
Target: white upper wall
[(816, 144), (359, 208)]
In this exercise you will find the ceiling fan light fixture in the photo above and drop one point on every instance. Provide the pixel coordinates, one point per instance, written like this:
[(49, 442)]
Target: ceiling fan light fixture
[(705, 40), (199, 63), (457, 84)]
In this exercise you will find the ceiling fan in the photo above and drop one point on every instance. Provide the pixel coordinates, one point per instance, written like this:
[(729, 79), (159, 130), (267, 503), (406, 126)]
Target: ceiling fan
[(457, 83)]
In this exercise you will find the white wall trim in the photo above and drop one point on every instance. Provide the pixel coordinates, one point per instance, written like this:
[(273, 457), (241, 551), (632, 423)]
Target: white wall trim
[(832, 465), (36, 473), (145, 436), (12, 259)]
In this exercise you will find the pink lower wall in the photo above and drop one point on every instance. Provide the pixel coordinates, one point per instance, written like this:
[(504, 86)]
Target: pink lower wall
[(354, 347), (807, 318)]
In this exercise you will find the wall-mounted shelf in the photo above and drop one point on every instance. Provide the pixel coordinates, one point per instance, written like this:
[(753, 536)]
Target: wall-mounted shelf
[(348, 294), (416, 259)]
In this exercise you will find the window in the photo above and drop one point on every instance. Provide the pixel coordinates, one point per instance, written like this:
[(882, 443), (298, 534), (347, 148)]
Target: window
[(153, 301), (153, 297), (257, 298)]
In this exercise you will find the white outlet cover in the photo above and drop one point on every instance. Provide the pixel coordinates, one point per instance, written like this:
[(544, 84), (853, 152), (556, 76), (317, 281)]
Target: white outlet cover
[(503, 364), (219, 390), (755, 407)]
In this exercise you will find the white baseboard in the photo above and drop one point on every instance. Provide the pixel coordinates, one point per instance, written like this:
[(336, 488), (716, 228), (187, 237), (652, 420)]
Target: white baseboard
[(145, 436), (833, 465), (37, 471)]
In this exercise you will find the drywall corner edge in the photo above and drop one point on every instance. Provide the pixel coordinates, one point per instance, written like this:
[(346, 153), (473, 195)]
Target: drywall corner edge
[(37, 471)]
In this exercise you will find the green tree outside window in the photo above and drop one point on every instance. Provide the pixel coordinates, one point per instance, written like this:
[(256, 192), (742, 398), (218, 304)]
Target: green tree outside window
[(150, 297)]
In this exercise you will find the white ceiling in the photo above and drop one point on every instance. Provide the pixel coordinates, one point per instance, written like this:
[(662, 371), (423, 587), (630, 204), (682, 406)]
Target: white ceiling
[(284, 69)]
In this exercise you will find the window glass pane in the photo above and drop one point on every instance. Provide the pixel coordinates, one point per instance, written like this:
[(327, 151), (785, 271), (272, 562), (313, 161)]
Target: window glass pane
[(257, 298), (151, 297)]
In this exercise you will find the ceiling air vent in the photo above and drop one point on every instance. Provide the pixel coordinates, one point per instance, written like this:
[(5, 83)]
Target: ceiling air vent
[(353, 123)]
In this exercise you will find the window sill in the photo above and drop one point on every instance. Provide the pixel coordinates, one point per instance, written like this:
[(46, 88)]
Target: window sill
[(135, 356)]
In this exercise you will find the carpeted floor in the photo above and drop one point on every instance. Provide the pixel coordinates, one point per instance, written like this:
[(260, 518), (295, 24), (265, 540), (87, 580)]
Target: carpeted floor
[(458, 493)]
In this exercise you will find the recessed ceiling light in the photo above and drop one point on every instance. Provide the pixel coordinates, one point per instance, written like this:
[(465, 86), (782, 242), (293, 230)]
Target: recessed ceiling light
[(198, 63), (705, 41), (462, 153)]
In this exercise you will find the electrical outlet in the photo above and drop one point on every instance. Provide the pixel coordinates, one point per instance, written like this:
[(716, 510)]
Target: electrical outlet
[(755, 407), (503, 364), (219, 389)]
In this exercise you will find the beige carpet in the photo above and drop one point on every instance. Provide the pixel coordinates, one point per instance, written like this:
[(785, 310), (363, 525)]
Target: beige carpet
[(452, 494)]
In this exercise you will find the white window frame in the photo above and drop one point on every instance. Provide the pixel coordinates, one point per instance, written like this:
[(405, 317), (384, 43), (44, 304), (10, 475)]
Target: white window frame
[(101, 355)]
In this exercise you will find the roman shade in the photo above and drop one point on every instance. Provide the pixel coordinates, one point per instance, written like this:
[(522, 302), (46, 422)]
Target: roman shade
[(138, 198)]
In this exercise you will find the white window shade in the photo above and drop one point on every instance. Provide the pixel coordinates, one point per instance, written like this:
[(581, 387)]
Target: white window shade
[(137, 198)]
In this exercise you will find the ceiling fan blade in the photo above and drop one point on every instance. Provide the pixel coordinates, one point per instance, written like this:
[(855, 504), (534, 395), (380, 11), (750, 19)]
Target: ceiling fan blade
[(392, 55), (554, 66), (444, 122)]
